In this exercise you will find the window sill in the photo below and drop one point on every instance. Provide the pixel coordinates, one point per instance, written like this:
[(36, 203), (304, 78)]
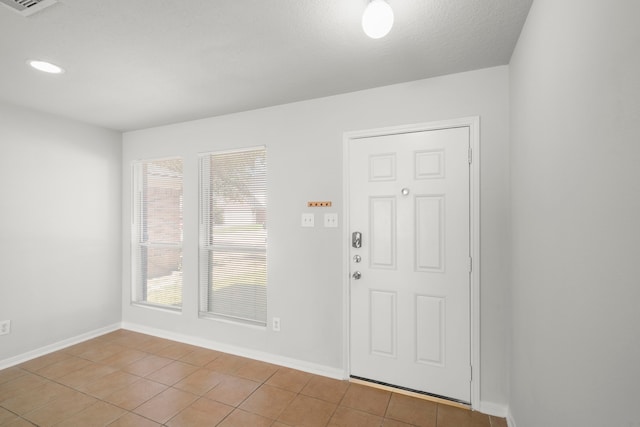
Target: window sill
[(166, 309), (231, 321)]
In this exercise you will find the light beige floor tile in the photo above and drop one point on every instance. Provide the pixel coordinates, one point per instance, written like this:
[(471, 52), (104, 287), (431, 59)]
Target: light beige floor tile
[(226, 363), (289, 379), (135, 341), (388, 422), (176, 350), (102, 351), (366, 399), (86, 375), (20, 385), (135, 394), (147, 365), (347, 417), (124, 358), (200, 357), (448, 416), (11, 374), (203, 412), (63, 367), (307, 411), (6, 416), (200, 382), (40, 362), (133, 420), (240, 418), (232, 390), (172, 373), (325, 388), (60, 409), (18, 422), (165, 405), (412, 410), (36, 398), (78, 349), (255, 370), (154, 345), (98, 414), (498, 422), (109, 384), (268, 401)]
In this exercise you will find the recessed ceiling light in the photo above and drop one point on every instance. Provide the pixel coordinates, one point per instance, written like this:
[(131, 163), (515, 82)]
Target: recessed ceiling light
[(377, 19), (45, 66)]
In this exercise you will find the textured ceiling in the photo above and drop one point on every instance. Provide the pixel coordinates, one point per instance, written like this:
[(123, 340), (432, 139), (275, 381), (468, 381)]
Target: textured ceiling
[(132, 64)]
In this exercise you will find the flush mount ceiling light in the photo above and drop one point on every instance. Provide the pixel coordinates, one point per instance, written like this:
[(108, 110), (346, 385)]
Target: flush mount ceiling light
[(377, 19), (45, 66)]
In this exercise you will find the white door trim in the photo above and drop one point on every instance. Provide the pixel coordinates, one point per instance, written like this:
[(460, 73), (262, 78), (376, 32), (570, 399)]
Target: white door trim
[(474, 187)]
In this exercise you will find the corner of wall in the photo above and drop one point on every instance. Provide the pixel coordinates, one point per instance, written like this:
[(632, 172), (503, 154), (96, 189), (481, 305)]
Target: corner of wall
[(24, 357), (511, 422)]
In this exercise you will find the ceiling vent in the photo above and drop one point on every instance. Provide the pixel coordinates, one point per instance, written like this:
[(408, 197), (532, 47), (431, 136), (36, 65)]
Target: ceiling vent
[(27, 7)]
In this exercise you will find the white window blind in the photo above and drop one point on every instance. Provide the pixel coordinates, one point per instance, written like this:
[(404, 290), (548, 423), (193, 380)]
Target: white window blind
[(157, 233), (233, 235)]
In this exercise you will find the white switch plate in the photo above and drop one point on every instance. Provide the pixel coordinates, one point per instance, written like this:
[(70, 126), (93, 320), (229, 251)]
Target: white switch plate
[(331, 220), (276, 324), (308, 220)]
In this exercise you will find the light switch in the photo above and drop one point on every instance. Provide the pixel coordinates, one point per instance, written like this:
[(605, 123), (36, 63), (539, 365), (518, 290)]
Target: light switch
[(331, 220), (308, 220)]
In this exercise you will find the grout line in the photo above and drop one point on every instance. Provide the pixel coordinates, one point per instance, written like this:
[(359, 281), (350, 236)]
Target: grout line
[(386, 409)]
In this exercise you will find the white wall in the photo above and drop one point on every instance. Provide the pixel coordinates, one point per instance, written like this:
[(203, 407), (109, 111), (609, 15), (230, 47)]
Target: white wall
[(60, 229), (304, 143), (575, 161)]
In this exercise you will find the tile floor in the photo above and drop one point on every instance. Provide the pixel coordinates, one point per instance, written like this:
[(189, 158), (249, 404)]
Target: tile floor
[(126, 378)]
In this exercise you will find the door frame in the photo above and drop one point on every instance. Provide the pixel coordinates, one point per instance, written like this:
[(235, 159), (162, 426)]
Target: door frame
[(473, 123)]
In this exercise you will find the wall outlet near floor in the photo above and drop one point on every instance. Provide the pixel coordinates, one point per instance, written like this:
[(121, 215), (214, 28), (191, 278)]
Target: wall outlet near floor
[(275, 324), (5, 327)]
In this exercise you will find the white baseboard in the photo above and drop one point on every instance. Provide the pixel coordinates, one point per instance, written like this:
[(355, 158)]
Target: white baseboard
[(21, 358), (494, 409), (288, 362)]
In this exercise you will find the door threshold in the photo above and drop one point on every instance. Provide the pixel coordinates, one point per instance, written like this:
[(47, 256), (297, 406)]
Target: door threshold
[(409, 392)]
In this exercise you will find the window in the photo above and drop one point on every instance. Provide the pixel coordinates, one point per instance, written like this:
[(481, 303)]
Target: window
[(157, 233), (233, 235)]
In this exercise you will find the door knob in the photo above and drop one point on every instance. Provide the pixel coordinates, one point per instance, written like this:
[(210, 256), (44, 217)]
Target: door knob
[(357, 275)]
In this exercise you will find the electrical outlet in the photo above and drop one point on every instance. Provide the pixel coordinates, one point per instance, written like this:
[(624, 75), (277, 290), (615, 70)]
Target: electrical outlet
[(275, 324), (5, 327), (331, 220), (308, 220)]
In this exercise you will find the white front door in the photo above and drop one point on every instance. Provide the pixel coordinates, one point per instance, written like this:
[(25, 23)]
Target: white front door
[(410, 285)]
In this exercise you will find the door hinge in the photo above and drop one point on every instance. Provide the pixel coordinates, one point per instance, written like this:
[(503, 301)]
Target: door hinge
[(470, 373), (470, 264), (470, 155)]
